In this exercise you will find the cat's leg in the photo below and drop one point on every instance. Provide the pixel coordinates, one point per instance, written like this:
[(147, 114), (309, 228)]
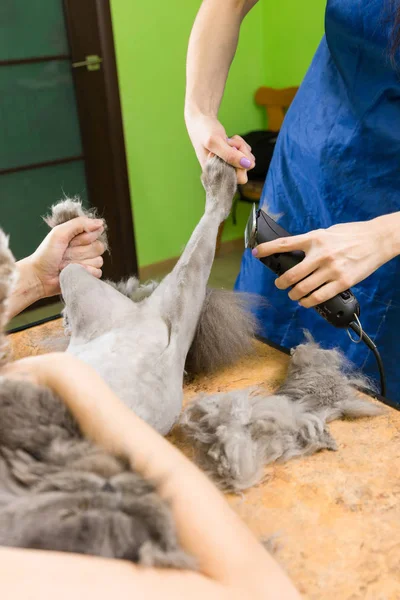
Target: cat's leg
[(93, 306), (181, 294), (8, 279), (66, 210)]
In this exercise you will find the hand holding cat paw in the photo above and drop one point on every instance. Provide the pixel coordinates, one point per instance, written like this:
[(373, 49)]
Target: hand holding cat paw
[(75, 241)]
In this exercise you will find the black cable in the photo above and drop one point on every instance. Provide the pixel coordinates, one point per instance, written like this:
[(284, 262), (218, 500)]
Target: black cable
[(368, 342), (33, 324)]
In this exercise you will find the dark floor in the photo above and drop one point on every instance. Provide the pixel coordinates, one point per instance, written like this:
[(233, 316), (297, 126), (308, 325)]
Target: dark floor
[(223, 275)]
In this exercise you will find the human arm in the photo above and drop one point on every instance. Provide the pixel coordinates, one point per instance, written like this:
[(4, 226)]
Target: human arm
[(38, 274), (336, 258), (44, 575), (228, 554), (212, 46)]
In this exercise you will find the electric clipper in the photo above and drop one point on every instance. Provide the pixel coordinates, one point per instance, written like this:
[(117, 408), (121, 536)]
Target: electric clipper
[(340, 311)]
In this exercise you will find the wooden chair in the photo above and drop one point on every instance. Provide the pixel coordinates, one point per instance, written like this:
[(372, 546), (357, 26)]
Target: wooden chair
[(276, 102)]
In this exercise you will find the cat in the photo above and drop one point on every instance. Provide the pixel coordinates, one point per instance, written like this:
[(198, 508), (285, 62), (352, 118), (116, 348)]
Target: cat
[(142, 341), (59, 491)]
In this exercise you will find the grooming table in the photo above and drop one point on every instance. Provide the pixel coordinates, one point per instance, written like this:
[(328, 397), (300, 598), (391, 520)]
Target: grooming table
[(336, 515)]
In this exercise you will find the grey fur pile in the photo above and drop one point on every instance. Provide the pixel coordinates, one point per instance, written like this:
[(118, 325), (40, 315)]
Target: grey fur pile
[(238, 433), (61, 492)]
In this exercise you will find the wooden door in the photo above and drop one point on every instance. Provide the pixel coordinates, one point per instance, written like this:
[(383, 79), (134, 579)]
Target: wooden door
[(60, 122)]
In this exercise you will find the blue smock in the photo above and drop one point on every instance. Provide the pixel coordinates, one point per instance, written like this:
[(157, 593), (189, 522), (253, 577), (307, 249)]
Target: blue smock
[(337, 160)]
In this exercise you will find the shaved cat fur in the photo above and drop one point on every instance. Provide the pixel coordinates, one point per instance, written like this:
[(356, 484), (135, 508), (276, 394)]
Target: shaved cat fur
[(140, 348), (225, 332), (226, 327), (237, 433), (61, 492)]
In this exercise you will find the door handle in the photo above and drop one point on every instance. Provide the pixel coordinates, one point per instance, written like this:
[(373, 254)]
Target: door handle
[(92, 62)]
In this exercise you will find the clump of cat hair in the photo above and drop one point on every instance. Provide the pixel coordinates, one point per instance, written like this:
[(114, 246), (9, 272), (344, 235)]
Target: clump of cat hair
[(133, 289), (237, 434)]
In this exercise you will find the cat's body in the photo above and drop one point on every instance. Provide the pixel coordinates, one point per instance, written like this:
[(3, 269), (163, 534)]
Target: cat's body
[(132, 353), (140, 348)]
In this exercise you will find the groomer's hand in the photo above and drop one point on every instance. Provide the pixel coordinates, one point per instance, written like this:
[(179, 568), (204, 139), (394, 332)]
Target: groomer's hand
[(336, 258), (208, 135), (75, 241)]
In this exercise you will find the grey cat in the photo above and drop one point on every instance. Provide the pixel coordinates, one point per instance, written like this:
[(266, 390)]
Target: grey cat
[(236, 434), (226, 327), (61, 492), (57, 490), (142, 348)]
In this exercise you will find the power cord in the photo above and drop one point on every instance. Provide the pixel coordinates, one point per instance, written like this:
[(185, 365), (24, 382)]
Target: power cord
[(368, 342)]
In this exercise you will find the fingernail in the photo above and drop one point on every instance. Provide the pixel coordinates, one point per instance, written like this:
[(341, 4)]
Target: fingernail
[(254, 251), (245, 163), (98, 222), (228, 139)]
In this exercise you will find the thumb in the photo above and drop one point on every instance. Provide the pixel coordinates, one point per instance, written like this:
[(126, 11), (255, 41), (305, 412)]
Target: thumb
[(67, 231), (231, 155)]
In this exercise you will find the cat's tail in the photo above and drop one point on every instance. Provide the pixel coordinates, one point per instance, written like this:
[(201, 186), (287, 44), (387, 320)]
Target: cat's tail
[(8, 279), (71, 208), (225, 332), (226, 329)]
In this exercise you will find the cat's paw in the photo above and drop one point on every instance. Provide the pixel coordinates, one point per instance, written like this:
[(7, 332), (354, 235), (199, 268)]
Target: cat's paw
[(64, 211), (219, 182), (8, 275), (71, 208)]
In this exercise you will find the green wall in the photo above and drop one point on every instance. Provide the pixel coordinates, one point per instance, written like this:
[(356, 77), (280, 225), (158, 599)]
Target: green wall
[(151, 42), (292, 32)]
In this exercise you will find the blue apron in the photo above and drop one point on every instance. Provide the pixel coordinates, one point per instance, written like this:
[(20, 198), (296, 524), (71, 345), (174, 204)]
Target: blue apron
[(337, 160)]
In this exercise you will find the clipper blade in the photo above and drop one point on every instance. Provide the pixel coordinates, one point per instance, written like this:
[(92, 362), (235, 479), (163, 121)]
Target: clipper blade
[(250, 233)]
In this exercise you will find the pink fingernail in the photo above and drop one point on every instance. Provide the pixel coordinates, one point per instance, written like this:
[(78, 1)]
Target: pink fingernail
[(245, 163), (254, 251)]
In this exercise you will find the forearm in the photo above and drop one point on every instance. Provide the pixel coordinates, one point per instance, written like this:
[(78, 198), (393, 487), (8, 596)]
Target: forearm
[(28, 288), (209, 530), (212, 46), (388, 227), (73, 576)]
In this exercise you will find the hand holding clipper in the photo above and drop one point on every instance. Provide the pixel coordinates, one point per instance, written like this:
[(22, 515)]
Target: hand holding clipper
[(340, 311)]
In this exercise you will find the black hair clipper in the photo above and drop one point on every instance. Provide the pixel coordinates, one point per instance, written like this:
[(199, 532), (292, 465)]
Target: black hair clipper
[(340, 311)]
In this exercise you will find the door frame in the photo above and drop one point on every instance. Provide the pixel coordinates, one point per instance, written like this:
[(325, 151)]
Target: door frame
[(90, 32)]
